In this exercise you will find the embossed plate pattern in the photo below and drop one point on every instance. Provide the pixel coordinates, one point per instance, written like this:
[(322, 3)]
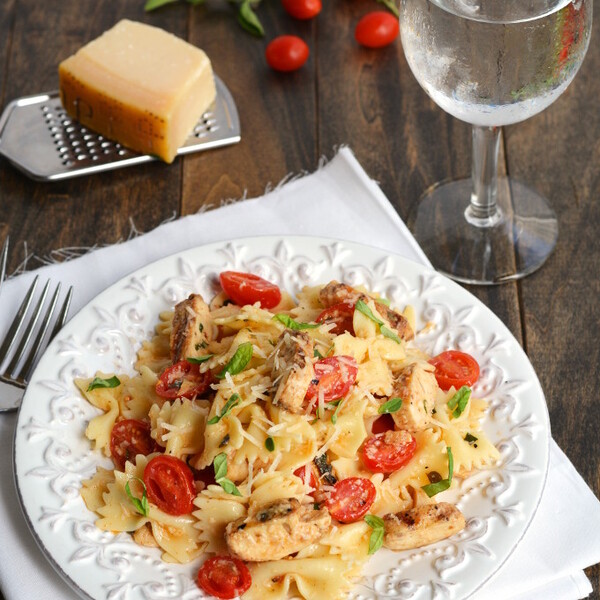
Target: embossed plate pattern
[(52, 455)]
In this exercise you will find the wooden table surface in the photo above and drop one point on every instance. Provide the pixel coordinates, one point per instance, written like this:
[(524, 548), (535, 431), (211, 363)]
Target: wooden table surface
[(345, 94)]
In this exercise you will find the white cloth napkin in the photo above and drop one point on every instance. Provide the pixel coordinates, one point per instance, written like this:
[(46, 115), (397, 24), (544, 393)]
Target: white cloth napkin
[(338, 201)]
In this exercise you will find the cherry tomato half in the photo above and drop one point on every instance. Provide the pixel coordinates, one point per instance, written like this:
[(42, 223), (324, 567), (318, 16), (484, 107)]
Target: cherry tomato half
[(286, 53), (351, 499), (183, 380), (245, 288), (382, 424), (170, 485), (342, 315), (224, 577), (455, 368), (308, 475), (129, 438), (377, 29), (302, 9), (387, 452), (334, 376)]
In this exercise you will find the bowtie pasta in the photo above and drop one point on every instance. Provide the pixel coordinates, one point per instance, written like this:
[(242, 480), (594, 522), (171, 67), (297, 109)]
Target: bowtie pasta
[(287, 440)]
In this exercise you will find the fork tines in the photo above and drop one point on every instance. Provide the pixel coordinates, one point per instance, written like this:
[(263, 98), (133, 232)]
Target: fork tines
[(18, 352)]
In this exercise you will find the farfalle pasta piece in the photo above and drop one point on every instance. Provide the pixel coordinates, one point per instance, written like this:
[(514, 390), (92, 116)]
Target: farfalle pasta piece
[(216, 509), (176, 426), (108, 399)]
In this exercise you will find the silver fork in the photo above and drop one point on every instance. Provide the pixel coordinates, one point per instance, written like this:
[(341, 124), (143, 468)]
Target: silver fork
[(18, 354)]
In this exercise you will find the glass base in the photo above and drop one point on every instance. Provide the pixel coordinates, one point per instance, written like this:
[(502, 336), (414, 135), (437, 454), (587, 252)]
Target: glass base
[(510, 245)]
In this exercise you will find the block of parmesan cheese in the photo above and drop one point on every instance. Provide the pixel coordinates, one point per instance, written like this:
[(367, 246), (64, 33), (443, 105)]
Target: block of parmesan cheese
[(140, 86)]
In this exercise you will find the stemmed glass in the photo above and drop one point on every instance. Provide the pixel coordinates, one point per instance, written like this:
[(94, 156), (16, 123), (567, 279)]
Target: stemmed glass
[(491, 63)]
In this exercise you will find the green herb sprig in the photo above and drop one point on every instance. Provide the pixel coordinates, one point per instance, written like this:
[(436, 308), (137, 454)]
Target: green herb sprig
[(98, 382), (246, 14), (363, 307), (376, 537), (292, 324), (234, 400), (459, 401), (237, 363), (435, 488), (220, 467), (392, 405), (197, 360), (141, 505)]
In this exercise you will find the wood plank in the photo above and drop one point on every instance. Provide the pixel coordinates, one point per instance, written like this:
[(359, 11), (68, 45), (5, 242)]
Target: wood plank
[(557, 153), (7, 13), (277, 110), (85, 211)]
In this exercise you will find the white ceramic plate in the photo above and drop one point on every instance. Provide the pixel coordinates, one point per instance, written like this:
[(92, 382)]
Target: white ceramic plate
[(52, 455)]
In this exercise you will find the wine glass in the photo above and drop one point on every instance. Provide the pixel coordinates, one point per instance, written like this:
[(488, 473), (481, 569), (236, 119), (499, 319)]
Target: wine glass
[(490, 63)]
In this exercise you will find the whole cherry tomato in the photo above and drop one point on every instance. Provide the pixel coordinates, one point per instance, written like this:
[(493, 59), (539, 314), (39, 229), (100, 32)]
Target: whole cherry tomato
[(455, 369), (286, 53), (302, 9), (129, 438), (387, 452), (183, 380), (342, 315), (377, 29), (351, 499), (246, 288), (170, 485), (224, 577), (334, 376)]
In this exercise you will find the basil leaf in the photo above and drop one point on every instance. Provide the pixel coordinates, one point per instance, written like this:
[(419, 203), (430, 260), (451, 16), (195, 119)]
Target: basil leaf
[(153, 4), (248, 20), (220, 466), (197, 360), (459, 401), (270, 444), (376, 538), (140, 505), (238, 361), (391, 6), (435, 488), (234, 400), (98, 382), (337, 408), (361, 306), (392, 405), (388, 333), (229, 486), (470, 439), (295, 325)]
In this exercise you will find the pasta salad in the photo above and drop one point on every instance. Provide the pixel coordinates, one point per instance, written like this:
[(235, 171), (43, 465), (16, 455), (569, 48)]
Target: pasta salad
[(287, 440)]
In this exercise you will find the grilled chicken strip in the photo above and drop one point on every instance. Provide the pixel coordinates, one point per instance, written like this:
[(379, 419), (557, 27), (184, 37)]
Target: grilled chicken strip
[(421, 525), (192, 328), (292, 369), (335, 293), (418, 388), (276, 530)]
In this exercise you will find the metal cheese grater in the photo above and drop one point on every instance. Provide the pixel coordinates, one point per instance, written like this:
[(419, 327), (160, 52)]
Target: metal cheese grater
[(38, 137)]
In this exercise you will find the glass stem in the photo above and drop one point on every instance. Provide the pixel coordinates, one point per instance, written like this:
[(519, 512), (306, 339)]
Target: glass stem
[(483, 210)]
